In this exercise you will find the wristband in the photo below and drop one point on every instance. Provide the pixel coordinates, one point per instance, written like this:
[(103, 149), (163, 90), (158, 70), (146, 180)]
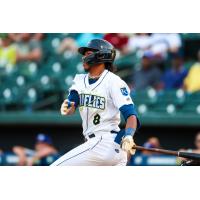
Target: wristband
[(130, 131), (69, 104)]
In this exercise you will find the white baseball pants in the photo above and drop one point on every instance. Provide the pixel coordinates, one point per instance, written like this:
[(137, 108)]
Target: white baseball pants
[(97, 151)]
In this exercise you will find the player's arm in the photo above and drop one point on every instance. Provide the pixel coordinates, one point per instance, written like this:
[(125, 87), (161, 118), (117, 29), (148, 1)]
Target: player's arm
[(130, 115), (132, 123), (120, 94), (70, 104)]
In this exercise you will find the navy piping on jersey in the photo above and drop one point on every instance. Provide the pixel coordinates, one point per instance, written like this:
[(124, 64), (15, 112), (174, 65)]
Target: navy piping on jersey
[(84, 80), (81, 152), (87, 107), (101, 81)]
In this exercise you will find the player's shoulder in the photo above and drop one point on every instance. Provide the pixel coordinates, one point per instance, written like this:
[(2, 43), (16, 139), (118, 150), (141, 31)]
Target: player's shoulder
[(114, 77), (79, 77)]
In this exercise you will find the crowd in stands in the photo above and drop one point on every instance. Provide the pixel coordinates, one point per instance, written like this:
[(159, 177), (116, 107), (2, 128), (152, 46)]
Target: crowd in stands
[(162, 61), (43, 153), (16, 48), (161, 56), (44, 148)]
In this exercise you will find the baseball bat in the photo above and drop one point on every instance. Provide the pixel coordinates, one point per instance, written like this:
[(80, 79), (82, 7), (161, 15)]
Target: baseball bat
[(193, 156)]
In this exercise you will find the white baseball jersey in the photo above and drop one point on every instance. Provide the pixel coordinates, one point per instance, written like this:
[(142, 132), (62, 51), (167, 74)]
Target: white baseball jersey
[(99, 109), (100, 102)]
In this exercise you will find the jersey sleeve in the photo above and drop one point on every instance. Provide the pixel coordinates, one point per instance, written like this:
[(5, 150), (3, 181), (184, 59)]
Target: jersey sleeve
[(74, 85), (120, 93), (74, 91)]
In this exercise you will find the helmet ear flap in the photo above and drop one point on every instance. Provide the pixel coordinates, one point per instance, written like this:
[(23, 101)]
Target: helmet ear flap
[(100, 55)]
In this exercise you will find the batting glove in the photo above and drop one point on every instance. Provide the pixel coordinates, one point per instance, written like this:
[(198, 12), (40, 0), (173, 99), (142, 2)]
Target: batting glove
[(128, 144), (66, 107)]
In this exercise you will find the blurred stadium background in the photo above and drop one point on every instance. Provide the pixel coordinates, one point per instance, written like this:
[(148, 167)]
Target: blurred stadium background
[(36, 70)]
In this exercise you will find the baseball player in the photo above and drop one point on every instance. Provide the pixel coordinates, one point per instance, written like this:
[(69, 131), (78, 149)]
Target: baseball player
[(100, 96)]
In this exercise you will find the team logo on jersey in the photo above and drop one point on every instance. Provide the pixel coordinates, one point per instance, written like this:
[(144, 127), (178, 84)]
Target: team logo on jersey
[(92, 101), (124, 91)]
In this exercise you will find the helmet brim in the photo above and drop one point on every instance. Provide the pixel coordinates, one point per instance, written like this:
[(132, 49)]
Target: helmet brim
[(83, 50)]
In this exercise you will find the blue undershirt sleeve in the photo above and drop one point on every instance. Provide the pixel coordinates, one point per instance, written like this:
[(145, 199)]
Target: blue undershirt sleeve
[(74, 96), (127, 111)]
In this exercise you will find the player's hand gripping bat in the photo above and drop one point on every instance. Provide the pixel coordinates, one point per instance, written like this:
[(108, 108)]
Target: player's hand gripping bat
[(67, 107), (193, 156)]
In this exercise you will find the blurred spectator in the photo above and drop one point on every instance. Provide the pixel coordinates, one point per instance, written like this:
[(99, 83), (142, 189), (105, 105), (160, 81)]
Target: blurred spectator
[(147, 75), (8, 52), (68, 44), (197, 143), (37, 36), (158, 43), (43, 148), (192, 81), (162, 43), (152, 142), (139, 41), (16, 37), (184, 161), (1, 152), (174, 76), (71, 44), (118, 40), (28, 48)]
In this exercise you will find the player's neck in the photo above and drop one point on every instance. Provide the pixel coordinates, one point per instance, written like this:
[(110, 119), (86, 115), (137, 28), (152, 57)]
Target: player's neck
[(96, 71)]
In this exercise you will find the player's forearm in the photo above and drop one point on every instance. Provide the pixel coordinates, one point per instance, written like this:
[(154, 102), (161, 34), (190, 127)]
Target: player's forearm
[(131, 122), (127, 141)]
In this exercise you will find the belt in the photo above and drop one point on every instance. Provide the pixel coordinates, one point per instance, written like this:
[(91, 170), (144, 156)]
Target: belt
[(93, 135)]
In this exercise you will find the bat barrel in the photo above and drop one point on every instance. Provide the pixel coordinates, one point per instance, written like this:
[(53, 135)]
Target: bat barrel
[(193, 156)]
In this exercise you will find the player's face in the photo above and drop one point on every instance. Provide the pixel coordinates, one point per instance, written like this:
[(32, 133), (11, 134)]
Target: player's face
[(85, 65)]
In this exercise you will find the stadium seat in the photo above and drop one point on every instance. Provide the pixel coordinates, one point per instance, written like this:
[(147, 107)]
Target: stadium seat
[(29, 97), (65, 82), (70, 64), (176, 97), (9, 97), (148, 96), (192, 104)]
